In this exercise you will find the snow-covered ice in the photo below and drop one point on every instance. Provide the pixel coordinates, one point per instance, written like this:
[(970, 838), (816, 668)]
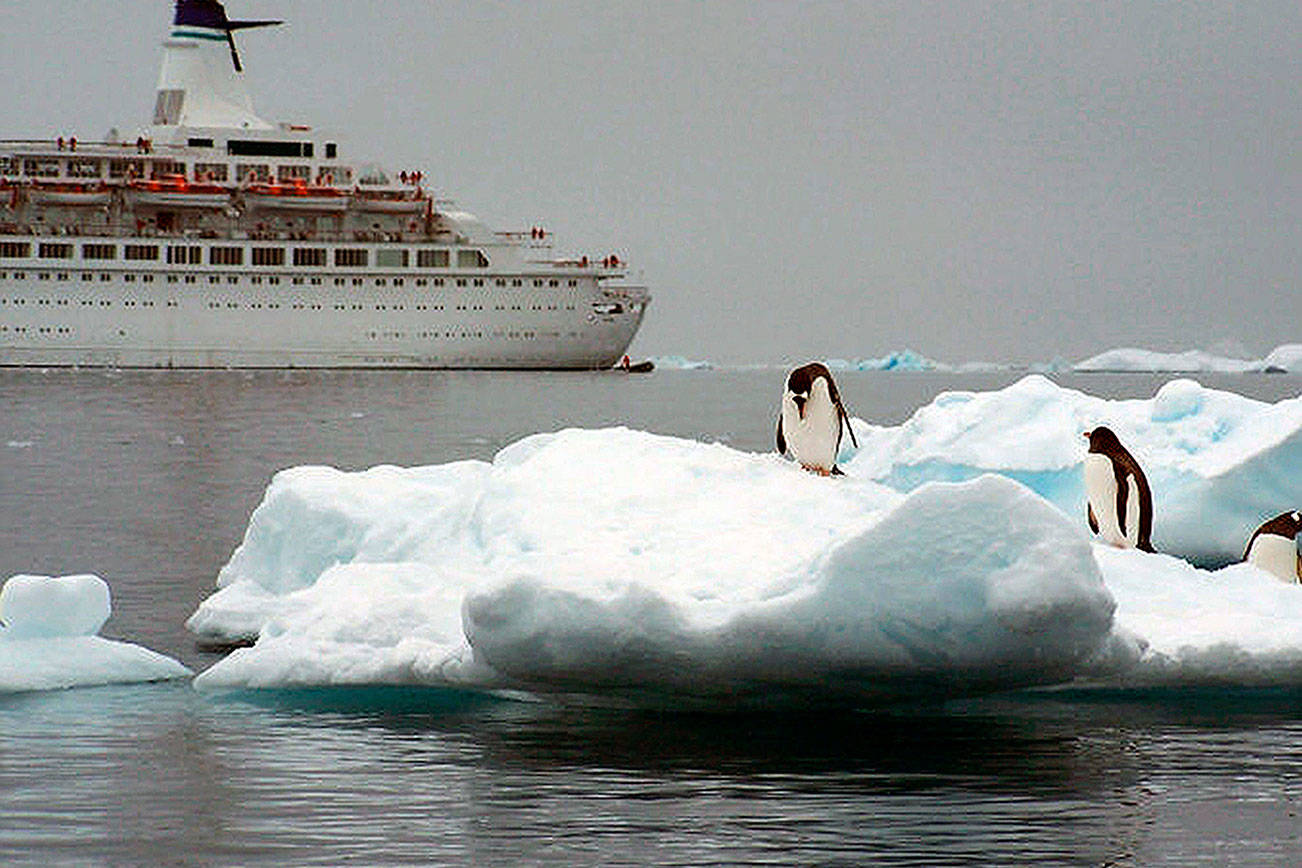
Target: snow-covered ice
[(48, 638), (628, 566), (1283, 359), (1177, 625), (1218, 463)]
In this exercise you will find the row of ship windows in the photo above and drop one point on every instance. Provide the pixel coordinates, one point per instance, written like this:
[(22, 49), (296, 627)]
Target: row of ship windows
[(258, 280), (218, 305), (272, 257), (374, 335)]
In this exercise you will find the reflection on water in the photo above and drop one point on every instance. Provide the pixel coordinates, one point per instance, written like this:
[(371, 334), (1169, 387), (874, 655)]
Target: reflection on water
[(148, 478), (144, 775)]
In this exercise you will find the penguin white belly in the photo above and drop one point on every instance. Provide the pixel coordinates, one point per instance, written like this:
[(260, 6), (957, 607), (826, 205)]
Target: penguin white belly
[(1101, 490), (1276, 555), (812, 440)]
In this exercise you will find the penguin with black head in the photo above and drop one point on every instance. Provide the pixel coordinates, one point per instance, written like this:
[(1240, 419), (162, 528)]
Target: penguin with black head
[(1120, 508), (1273, 547), (812, 419)]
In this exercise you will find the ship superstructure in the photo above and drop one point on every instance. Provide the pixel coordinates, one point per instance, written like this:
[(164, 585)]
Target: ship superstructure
[(213, 238)]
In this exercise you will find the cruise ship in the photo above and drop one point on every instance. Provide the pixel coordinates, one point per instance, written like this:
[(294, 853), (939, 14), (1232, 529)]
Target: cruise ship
[(213, 238)]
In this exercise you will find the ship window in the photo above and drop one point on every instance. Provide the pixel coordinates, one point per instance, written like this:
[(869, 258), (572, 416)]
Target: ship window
[(99, 251), (200, 143), (84, 168), (55, 251), (461, 281), (432, 259), (239, 148), (226, 256), (252, 172), (471, 259), (294, 172), (41, 168), (167, 107), (126, 168), (140, 251), (215, 172), (183, 254), (391, 258), (351, 257), (332, 150), (166, 168), (310, 256), (8, 166), (268, 256)]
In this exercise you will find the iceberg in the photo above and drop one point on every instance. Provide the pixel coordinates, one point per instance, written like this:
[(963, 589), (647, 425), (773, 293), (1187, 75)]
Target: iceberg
[(621, 566), (48, 638), (1218, 463), (1283, 359)]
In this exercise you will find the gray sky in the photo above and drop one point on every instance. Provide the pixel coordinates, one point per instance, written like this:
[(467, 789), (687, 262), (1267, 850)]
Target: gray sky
[(975, 180)]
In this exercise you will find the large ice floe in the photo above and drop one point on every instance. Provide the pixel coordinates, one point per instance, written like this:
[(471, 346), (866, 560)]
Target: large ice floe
[(1218, 463), (48, 638), (623, 566)]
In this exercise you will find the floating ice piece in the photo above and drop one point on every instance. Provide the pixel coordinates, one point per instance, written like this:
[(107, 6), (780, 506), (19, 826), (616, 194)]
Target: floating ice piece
[(1218, 463), (1286, 358), (624, 565), (680, 363), (48, 639), (1177, 625)]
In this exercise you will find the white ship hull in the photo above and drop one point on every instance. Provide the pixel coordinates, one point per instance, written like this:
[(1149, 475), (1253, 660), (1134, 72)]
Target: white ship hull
[(180, 317)]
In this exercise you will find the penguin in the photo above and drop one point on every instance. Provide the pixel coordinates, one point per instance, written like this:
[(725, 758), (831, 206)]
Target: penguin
[(1273, 547), (812, 418), (1120, 507)]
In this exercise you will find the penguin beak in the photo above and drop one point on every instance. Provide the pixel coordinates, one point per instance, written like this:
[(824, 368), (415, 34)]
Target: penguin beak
[(1085, 434)]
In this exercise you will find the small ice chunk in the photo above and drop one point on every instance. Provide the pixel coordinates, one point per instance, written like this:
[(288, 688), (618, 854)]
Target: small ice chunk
[(46, 606), (48, 641)]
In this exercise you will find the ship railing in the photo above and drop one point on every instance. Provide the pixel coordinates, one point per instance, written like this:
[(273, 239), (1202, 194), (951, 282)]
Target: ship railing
[(366, 236)]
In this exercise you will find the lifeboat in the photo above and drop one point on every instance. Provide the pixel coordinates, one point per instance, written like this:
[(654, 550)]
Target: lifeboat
[(296, 197), (70, 195), (177, 193), (390, 201)]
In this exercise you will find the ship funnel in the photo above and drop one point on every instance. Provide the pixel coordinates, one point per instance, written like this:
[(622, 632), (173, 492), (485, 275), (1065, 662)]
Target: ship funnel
[(201, 83)]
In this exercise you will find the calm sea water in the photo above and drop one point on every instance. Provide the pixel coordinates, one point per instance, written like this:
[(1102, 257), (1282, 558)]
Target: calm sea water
[(148, 478)]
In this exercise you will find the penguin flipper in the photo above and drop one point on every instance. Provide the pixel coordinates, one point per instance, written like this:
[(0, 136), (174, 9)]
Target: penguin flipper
[(836, 471), (1123, 495), (1094, 522), (782, 441)]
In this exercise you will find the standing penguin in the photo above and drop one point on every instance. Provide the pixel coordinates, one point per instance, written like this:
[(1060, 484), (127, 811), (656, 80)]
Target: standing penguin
[(1273, 547), (812, 418), (1120, 503)]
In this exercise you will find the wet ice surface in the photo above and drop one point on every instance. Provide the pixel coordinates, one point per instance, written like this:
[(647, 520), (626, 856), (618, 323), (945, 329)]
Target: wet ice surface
[(150, 774)]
